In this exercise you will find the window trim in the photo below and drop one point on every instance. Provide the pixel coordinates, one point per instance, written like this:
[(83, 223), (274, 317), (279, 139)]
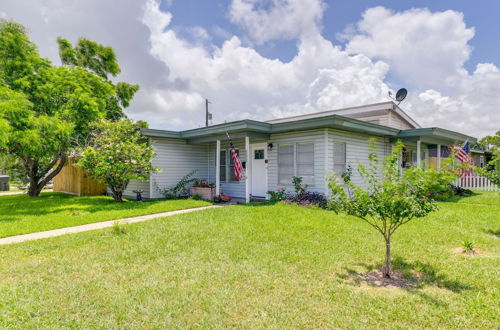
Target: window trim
[(294, 146), (335, 163)]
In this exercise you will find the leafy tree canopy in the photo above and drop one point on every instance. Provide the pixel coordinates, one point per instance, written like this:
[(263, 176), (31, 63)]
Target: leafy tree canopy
[(491, 141), (48, 110), (117, 153)]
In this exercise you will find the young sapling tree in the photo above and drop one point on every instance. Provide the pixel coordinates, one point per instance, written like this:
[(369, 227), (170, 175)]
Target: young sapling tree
[(392, 197)]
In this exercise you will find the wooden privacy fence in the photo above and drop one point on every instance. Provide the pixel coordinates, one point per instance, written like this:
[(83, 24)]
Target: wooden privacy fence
[(476, 182), (73, 180)]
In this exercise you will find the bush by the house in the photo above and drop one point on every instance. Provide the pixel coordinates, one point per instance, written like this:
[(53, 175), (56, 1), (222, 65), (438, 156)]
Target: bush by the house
[(278, 195), (180, 189), (309, 198)]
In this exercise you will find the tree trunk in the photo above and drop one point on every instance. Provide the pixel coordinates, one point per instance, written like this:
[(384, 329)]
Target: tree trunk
[(35, 184), (34, 188), (387, 271), (117, 195)]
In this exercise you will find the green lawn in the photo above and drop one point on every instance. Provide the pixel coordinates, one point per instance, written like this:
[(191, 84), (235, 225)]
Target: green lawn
[(20, 214), (267, 266)]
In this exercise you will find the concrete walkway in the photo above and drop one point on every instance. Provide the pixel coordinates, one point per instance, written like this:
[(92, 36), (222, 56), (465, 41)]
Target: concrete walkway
[(97, 225)]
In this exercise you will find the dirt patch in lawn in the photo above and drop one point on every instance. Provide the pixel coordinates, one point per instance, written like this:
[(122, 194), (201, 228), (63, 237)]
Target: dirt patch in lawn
[(376, 278), (472, 253)]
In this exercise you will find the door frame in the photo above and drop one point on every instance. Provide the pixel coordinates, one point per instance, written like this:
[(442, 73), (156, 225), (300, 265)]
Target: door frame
[(254, 146)]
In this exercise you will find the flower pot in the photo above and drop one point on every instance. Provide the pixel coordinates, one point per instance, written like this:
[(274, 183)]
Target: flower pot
[(206, 193)]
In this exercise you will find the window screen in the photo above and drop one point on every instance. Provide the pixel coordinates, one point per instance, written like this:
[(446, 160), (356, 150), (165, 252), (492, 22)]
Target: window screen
[(285, 163), (305, 162), (339, 158), (223, 166)]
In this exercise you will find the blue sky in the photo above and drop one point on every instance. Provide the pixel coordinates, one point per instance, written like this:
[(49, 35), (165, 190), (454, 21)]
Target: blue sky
[(264, 59), (483, 15)]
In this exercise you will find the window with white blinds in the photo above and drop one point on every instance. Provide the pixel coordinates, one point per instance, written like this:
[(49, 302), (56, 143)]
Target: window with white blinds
[(223, 166), (305, 162), (296, 159), (286, 160), (339, 157)]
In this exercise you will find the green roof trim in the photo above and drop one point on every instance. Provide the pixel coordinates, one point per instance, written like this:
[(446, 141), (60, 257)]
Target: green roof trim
[(434, 135), (262, 130)]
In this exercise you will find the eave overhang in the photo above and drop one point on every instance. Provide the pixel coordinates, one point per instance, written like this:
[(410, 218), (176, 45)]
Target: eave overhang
[(434, 135)]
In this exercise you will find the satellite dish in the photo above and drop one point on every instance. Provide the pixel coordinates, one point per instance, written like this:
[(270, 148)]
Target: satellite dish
[(401, 94)]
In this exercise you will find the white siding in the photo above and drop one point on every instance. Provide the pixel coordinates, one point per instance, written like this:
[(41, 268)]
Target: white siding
[(315, 136), (397, 121), (176, 158), (233, 189), (136, 185), (357, 150)]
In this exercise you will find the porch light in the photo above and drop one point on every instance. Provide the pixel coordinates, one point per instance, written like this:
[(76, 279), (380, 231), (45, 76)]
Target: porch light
[(270, 146)]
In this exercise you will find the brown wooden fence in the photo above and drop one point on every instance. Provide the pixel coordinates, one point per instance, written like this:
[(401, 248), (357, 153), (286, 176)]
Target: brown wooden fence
[(73, 180)]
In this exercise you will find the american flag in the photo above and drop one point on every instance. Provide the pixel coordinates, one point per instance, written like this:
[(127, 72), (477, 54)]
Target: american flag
[(238, 168), (462, 155)]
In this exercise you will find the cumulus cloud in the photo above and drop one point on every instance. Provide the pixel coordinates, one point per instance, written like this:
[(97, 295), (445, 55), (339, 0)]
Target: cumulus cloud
[(427, 51), (422, 47), (179, 66), (244, 84), (266, 20)]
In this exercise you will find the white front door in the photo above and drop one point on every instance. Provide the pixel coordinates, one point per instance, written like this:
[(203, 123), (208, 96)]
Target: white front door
[(259, 169)]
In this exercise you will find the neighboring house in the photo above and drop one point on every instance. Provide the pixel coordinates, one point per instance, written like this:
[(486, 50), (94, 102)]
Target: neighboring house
[(312, 146)]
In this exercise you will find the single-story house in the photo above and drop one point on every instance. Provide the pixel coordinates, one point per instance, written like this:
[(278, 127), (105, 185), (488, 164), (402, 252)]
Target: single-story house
[(311, 146)]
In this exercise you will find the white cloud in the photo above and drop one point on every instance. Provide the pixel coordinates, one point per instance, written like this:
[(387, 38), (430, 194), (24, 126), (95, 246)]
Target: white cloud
[(422, 47), (179, 67), (266, 20), (243, 84), (427, 51)]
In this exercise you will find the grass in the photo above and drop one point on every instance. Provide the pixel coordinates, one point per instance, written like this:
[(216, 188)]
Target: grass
[(20, 214), (261, 266)]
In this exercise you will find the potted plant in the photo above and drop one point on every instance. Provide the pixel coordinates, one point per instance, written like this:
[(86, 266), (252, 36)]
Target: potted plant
[(204, 189)]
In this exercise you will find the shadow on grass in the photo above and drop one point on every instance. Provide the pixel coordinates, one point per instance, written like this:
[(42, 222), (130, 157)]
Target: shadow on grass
[(16, 205), (416, 275), (495, 233)]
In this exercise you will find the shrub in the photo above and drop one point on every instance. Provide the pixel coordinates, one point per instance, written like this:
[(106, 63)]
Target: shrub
[(278, 195), (180, 189), (196, 197), (298, 186), (309, 198)]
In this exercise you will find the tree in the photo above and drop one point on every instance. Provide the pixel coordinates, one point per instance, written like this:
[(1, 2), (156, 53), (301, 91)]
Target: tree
[(50, 110), (393, 197), (491, 142), (117, 152)]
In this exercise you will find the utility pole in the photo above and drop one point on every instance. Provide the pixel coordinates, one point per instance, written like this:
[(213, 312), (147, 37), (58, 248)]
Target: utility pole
[(208, 115)]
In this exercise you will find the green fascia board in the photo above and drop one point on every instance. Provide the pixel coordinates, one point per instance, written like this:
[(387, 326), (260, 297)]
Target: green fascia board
[(160, 133), (336, 122), (434, 135), (221, 129)]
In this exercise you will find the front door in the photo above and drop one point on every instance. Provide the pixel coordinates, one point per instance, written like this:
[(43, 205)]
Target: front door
[(259, 170)]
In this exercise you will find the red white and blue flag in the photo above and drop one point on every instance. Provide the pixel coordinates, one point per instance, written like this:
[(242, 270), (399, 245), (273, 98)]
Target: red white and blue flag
[(238, 168), (463, 156)]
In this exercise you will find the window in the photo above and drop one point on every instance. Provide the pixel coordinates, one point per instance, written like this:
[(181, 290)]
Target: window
[(305, 162), (286, 162), (481, 161), (339, 157), (223, 166), (231, 165), (258, 154), (296, 159)]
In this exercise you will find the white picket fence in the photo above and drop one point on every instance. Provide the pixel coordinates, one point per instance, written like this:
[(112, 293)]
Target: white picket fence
[(476, 182)]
